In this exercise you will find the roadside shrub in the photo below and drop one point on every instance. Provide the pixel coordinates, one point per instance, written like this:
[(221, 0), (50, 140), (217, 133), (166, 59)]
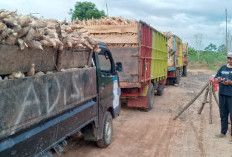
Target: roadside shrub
[(213, 60)]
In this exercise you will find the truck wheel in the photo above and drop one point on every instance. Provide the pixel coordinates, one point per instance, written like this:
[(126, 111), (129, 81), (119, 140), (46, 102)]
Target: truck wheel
[(160, 89), (177, 81), (181, 72), (170, 81), (151, 96), (184, 70), (107, 131)]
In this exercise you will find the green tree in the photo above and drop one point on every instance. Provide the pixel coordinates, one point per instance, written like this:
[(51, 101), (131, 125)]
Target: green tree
[(211, 47), (191, 50), (222, 48), (86, 10)]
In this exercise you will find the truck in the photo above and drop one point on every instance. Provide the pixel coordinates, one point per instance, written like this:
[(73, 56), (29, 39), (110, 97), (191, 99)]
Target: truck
[(37, 113), (185, 59), (175, 58), (142, 50)]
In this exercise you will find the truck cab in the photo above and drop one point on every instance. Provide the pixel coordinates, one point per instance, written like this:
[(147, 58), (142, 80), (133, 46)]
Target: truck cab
[(108, 80), (37, 113)]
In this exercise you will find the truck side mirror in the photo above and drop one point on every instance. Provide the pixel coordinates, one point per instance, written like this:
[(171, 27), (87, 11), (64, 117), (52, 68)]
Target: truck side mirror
[(118, 66)]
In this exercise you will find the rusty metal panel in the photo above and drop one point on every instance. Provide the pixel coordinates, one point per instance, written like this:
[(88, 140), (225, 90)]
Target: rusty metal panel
[(129, 57), (136, 97), (26, 101), (12, 59), (138, 102)]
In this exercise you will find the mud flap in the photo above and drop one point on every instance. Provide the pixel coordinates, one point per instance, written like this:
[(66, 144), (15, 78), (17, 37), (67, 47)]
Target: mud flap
[(145, 99), (140, 102)]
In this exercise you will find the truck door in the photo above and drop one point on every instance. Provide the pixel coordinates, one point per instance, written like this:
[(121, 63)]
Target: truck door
[(108, 85)]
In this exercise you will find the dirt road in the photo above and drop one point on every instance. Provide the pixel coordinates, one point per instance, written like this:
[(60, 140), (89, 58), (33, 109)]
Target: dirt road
[(155, 134)]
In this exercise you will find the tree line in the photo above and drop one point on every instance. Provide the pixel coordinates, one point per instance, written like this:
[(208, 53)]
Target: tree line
[(210, 48), (213, 47)]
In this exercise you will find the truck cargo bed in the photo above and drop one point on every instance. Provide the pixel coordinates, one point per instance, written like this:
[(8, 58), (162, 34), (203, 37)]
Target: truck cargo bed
[(145, 62), (27, 101), (12, 59)]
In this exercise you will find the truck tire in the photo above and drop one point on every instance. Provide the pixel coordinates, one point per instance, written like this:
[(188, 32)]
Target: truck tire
[(160, 89), (185, 71), (107, 131), (181, 72), (151, 96), (177, 80), (170, 81)]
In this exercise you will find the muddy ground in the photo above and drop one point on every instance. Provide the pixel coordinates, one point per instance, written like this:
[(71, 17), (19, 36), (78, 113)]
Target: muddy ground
[(156, 134)]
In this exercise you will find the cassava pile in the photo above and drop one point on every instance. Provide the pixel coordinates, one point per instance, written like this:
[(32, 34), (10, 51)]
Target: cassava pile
[(107, 21), (33, 32), (114, 31)]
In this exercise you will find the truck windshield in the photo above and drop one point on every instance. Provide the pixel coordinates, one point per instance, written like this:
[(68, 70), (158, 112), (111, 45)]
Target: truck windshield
[(104, 62)]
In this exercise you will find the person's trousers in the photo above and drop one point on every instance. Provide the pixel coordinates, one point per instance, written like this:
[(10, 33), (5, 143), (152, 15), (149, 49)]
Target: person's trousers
[(225, 107)]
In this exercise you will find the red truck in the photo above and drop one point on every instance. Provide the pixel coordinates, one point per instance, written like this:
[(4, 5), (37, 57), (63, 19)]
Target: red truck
[(143, 53)]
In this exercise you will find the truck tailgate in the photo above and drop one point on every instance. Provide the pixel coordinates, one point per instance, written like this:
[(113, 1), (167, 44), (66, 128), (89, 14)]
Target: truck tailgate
[(129, 57), (26, 101)]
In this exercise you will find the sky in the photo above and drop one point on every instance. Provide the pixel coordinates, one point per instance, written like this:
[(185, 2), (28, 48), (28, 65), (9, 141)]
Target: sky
[(191, 20)]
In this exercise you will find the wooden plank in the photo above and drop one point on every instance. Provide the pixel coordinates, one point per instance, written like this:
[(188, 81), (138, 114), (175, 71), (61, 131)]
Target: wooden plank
[(192, 101), (204, 101), (210, 104), (117, 39), (215, 97), (111, 29)]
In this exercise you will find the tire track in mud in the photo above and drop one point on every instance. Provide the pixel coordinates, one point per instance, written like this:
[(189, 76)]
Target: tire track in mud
[(199, 136), (164, 140)]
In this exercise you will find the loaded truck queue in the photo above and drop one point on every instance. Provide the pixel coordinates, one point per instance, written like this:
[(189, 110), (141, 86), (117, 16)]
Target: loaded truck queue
[(59, 78)]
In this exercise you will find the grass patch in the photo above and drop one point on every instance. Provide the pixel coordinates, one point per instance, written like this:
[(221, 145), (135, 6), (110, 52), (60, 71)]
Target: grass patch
[(207, 60), (214, 68)]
